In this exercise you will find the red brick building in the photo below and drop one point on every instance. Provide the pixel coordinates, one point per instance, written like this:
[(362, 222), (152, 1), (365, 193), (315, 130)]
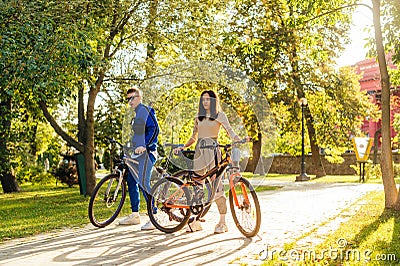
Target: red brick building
[(370, 82)]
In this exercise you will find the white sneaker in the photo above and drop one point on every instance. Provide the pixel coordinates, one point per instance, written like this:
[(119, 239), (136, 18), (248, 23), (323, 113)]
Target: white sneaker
[(148, 226), (220, 228), (194, 226), (133, 218)]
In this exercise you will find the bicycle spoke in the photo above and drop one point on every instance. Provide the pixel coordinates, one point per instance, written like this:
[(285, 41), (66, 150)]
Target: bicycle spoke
[(168, 208), (107, 201), (245, 207)]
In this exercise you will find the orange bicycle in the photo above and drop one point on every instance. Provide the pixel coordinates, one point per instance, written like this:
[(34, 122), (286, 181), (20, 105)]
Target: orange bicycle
[(175, 198)]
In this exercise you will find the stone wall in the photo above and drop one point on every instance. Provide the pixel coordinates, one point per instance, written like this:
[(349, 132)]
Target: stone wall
[(283, 164)]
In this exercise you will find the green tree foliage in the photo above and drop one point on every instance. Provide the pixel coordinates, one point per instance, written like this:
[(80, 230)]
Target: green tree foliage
[(391, 27), (63, 50), (288, 48), (339, 111), (34, 64), (109, 118), (59, 53), (66, 50)]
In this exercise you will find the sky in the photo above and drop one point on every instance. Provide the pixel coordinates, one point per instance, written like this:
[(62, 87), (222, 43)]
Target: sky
[(355, 51)]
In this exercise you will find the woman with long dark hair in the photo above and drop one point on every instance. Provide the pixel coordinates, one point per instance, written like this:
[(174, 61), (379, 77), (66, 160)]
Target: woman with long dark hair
[(207, 125)]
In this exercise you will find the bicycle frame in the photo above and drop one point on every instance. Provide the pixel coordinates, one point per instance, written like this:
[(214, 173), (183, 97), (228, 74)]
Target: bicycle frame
[(120, 180), (121, 169), (110, 192), (217, 170)]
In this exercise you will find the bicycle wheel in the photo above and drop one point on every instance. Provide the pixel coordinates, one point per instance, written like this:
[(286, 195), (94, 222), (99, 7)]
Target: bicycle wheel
[(244, 206), (206, 200), (107, 200), (168, 205)]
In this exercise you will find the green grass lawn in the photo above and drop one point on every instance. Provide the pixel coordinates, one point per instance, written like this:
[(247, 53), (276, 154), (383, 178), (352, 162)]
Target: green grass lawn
[(373, 234), (40, 209), (370, 237), (43, 208)]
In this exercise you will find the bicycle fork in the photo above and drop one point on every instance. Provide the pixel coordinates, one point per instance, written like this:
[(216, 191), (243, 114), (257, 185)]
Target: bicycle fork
[(114, 198), (232, 178)]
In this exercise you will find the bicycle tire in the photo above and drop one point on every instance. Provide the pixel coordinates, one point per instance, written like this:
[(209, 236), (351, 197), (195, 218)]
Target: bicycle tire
[(207, 192), (166, 219), (247, 216), (103, 210)]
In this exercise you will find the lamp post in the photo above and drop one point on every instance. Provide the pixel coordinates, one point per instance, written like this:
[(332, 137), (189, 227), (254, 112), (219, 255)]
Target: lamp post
[(173, 124), (171, 101), (303, 176), (172, 133)]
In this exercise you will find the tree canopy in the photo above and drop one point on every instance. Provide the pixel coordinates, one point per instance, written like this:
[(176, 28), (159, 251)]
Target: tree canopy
[(86, 53)]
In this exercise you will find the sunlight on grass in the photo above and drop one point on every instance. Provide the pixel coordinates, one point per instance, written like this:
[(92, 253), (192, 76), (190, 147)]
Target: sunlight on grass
[(370, 237), (45, 208), (102, 171), (40, 209), (373, 233)]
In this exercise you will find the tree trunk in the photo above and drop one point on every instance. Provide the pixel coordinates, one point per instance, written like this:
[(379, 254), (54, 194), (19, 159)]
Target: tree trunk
[(89, 143), (85, 143), (318, 167), (389, 185), (376, 146), (81, 115), (87, 146), (256, 154), (151, 39), (9, 182), (7, 178), (64, 135)]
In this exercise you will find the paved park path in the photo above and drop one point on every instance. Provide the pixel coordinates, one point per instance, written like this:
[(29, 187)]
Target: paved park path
[(287, 215)]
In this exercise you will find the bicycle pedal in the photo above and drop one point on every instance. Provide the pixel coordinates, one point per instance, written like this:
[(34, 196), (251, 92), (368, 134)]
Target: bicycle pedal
[(192, 219)]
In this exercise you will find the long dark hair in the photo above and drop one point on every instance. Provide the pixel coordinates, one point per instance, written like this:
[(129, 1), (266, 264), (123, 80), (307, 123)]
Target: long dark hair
[(214, 106)]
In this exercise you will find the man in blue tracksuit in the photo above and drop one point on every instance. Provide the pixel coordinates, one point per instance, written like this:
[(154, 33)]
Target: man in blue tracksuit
[(144, 143)]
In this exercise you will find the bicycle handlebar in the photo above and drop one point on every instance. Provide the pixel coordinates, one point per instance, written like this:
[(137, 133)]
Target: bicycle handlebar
[(113, 141), (134, 155), (172, 145), (242, 141)]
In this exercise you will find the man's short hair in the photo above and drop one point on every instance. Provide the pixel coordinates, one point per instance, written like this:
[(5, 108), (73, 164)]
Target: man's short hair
[(133, 90)]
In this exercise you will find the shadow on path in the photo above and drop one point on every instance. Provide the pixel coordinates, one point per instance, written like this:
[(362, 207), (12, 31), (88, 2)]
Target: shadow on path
[(287, 214), (118, 245)]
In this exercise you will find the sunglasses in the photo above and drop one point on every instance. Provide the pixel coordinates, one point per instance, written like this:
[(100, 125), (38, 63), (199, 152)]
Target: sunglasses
[(131, 98)]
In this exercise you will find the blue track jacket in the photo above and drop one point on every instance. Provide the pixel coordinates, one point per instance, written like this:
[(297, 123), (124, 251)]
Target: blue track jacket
[(145, 128)]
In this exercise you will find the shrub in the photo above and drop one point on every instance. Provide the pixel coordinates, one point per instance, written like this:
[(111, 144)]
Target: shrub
[(374, 170), (67, 172), (34, 174)]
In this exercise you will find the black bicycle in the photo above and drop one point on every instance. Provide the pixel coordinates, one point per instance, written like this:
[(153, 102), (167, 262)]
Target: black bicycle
[(109, 195)]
